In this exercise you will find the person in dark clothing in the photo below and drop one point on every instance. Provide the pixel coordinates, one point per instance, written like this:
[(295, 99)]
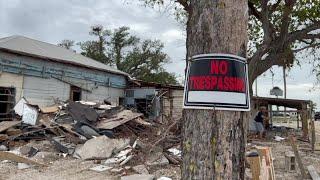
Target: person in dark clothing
[(258, 120)]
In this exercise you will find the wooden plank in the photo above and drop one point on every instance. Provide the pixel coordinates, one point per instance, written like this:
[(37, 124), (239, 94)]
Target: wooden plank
[(265, 152), (264, 172), (4, 125), (313, 135), (255, 166), (119, 119), (4, 155), (273, 174), (50, 109), (296, 153), (313, 173)]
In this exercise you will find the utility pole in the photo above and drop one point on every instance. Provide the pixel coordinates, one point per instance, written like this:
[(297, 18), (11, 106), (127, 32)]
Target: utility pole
[(256, 84), (214, 140), (285, 93)]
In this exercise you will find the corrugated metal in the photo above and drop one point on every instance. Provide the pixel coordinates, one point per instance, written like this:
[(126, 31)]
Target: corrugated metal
[(100, 93), (12, 80), (42, 68), (21, 44), (43, 92), (142, 93)]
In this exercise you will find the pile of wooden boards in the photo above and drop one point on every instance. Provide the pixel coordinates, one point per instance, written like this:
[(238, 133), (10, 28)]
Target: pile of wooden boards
[(261, 164)]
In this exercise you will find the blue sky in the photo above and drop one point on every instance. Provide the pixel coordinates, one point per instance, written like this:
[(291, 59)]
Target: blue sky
[(54, 20)]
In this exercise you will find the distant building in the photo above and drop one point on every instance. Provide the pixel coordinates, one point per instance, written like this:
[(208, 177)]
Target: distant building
[(43, 73), (155, 99)]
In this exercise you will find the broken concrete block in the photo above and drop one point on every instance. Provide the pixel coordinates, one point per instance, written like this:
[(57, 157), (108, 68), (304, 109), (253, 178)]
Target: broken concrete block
[(3, 148), (100, 168), (138, 176), (158, 161), (141, 169), (100, 147), (23, 166), (116, 170), (164, 178)]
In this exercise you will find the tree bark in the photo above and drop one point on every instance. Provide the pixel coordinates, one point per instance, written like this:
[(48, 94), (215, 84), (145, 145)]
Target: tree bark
[(214, 141)]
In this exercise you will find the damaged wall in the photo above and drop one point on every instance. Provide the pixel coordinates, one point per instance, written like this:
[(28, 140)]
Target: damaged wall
[(173, 103), (43, 91), (41, 81), (12, 80)]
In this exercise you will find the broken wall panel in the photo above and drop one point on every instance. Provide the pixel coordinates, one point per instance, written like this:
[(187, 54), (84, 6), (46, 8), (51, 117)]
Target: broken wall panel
[(100, 93), (12, 80), (172, 104), (42, 68), (42, 91), (41, 81)]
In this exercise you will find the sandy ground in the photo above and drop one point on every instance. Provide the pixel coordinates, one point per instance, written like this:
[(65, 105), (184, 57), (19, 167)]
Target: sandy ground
[(73, 169), (68, 168)]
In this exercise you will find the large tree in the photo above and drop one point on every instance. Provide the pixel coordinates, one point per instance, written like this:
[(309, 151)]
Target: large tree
[(95, 49), (146, 62), (214, 141), (142, 59), (66, 43), (279, 30)]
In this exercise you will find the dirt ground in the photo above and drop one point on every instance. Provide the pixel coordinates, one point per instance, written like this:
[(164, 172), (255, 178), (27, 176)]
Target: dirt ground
[(72, 169), (68, 168)]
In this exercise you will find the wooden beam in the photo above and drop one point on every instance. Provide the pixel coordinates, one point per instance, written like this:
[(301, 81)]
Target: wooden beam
[(4, 125), (313, 173), (313, 135), (297, 155), (255, 165), (12, 157)]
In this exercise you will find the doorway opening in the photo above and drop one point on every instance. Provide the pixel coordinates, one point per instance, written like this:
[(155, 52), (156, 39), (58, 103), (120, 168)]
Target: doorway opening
[(75, 93), (7, 102)]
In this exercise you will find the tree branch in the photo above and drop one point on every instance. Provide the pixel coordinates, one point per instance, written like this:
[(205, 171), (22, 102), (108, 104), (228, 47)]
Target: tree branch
[(306, 47), (184, 3), (274, 6), (303, 34), (284, 29), (253, 11)]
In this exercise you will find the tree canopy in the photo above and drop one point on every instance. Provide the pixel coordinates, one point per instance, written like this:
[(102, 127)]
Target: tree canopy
[(278, 30), (142, 59)]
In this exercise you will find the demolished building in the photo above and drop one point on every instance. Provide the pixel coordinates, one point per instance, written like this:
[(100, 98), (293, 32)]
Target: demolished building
[(44, 73)]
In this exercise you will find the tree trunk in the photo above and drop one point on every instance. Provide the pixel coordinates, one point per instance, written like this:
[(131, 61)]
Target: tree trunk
[(214, 141)]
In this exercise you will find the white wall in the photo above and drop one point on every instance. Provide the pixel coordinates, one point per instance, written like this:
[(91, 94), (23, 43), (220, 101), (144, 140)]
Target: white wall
[(12, 80), (43, 91)]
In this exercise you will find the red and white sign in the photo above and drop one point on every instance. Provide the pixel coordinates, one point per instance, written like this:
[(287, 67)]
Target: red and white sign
[(218, 81)]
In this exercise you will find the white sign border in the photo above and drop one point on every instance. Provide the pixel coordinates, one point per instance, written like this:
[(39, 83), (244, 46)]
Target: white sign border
[(248, 108)]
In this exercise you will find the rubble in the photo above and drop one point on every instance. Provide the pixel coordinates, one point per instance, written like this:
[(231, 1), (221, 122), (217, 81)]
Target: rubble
[(4, 155), (100, 147), (138, 176), (23, 166), (141, 169), (89, 131), (100, 168)]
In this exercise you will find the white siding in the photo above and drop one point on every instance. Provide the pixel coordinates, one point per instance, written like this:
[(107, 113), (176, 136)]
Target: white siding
[(101, 93), (12, 80), (43, 91)]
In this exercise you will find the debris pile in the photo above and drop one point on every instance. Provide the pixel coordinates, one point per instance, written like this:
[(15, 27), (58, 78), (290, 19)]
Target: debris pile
[(116, 139)]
